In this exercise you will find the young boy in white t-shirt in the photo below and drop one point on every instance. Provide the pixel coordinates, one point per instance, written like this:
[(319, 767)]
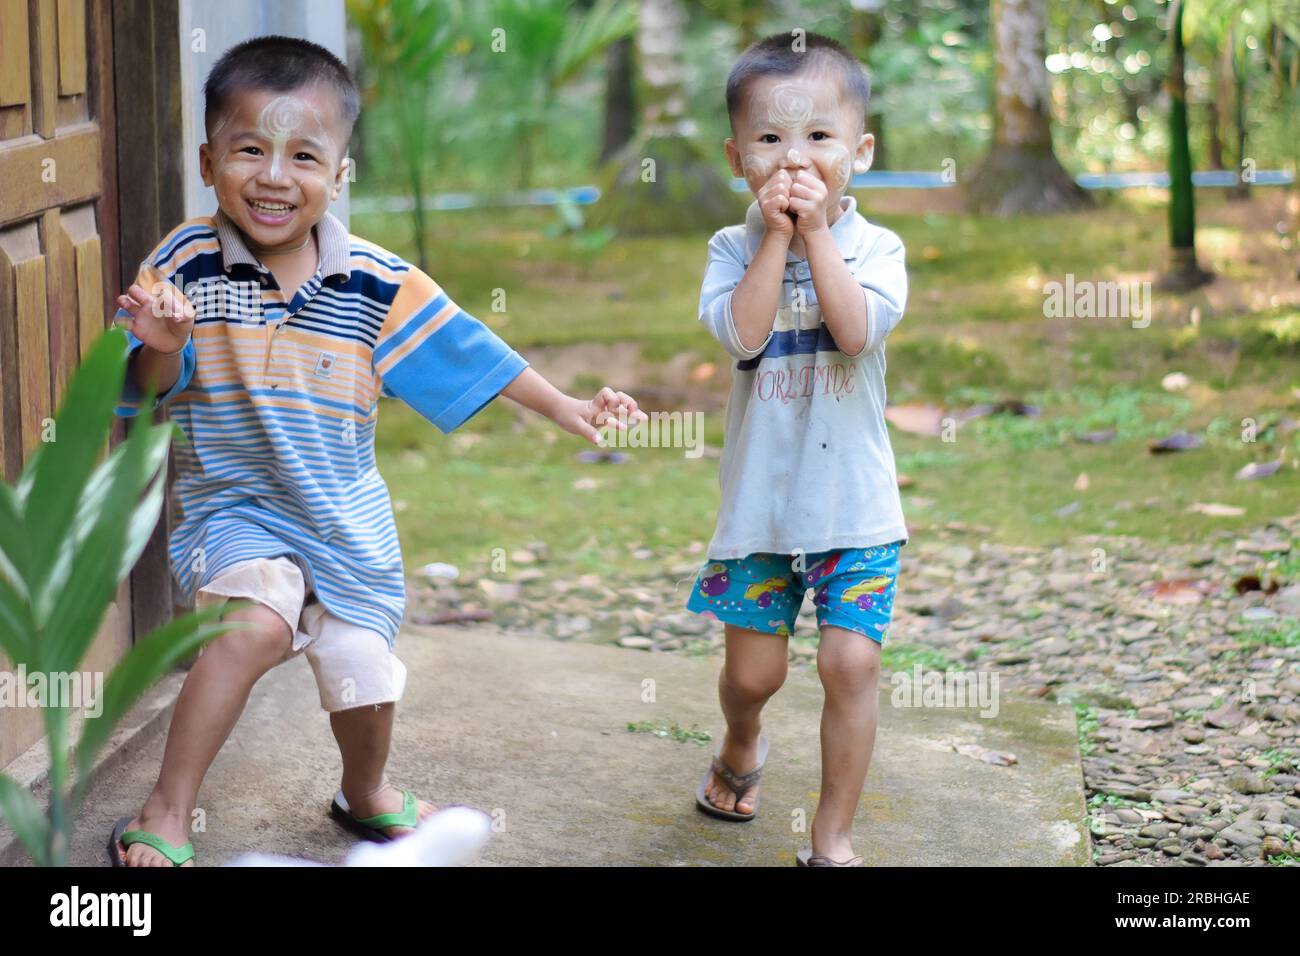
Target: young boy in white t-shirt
[(803, 296)]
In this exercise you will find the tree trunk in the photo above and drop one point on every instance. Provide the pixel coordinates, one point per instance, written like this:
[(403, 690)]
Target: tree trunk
[(1021, 173), (1242, 189), (864, 29), (620, 99), (1184, 273), (662, 183)]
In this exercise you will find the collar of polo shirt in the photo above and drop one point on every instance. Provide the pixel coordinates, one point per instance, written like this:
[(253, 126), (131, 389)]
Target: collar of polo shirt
[(846, 230), (331, 236)]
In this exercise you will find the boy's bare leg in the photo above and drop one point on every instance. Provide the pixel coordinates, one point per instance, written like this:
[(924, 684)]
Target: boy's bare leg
[(207, 709), (754, 670), (849, 667), (364, 735)]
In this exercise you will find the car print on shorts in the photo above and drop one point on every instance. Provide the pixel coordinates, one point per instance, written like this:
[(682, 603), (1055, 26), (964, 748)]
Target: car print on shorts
[(819, 571), (763, 591), (861, 593)]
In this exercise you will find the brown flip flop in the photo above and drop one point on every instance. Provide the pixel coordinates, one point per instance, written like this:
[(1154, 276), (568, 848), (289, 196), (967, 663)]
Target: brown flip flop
[(738, 782), (808, 858)]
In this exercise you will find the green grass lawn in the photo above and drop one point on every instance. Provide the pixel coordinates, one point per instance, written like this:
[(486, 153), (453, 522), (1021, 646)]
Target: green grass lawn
[(974, 331)]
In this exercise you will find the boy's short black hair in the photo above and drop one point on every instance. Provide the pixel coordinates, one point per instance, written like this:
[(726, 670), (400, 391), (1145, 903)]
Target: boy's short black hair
[(787, 54), (278, 64)]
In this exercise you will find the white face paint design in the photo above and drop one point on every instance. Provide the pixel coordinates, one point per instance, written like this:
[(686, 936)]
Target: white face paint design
[(841, 166), (787, 108), (757, 170), (280, 119)]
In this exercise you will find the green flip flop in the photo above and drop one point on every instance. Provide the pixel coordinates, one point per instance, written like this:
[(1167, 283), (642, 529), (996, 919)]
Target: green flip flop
[(177, 854), (372, 828)]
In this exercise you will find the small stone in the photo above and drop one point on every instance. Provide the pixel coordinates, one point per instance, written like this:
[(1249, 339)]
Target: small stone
[(500, 591), (957, 555), (1226, 717), (636, 643), (1244, 782), (1258, 613)]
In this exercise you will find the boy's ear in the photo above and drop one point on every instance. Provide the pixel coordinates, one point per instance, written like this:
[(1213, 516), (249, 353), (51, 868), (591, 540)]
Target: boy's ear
[(205, 164), (733, 157), (345, 166), (866, 151)]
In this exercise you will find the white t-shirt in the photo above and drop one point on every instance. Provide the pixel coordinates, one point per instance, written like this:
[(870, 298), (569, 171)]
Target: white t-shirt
[(806, 465)]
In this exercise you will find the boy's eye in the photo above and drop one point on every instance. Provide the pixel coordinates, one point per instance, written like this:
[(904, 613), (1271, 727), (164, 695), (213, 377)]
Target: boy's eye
[(818, 136), (307, 156), (769, 138), (254, 149)]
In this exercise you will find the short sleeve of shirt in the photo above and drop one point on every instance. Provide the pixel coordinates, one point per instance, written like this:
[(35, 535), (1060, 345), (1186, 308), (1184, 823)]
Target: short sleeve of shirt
[(439, 359), (725, 269), (883, 277), (129, 404)]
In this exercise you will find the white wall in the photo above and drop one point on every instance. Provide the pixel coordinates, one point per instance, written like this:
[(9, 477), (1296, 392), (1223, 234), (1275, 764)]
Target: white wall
[(214, 26)]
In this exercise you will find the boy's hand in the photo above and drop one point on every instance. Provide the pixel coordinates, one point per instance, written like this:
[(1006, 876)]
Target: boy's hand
[(162, 321), (774, 202), (607, 408), (808, 201)]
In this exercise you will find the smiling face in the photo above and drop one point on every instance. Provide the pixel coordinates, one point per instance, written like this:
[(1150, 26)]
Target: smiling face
[(276, 162), (800, 121)]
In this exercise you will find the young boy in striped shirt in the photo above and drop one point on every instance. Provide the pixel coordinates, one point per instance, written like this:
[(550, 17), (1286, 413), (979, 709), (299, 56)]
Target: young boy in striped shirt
[(272, 360)]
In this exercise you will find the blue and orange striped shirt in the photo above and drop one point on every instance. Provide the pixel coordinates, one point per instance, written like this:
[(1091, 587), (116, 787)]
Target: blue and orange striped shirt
[(278, 399)]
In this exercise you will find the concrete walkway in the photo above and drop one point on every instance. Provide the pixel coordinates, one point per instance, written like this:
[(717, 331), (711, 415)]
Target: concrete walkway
[(536, 732)]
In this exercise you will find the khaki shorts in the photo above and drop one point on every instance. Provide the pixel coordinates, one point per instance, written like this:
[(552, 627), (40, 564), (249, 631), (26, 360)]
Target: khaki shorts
[(354, 666)]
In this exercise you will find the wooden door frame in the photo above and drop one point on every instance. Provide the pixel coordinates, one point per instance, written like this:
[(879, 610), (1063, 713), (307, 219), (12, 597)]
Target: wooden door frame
[(148, 121)]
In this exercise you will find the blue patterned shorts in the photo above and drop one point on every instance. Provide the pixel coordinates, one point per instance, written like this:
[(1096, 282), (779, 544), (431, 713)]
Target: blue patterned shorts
[(853, 588)]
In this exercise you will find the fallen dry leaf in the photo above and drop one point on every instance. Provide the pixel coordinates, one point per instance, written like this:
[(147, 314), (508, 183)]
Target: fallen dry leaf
[(1178, 441), (919, 418), (703, 372), (1216, 510), (994, 757), (1097, 438), (1258, 469), (1178, 590)]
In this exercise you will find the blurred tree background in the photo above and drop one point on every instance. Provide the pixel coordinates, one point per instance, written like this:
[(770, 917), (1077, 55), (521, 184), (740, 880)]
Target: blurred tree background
[(519, 93)]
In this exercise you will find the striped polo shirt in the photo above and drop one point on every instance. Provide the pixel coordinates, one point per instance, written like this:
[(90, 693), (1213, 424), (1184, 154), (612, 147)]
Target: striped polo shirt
[(278, 399)]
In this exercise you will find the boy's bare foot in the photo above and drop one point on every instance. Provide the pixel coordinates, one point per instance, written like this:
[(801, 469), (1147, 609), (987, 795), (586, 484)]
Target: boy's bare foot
[(741, 758), (172, 826), (387, 799)]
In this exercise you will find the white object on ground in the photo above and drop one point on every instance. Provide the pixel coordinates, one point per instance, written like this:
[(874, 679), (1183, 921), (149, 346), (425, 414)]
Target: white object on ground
[(448, 838)]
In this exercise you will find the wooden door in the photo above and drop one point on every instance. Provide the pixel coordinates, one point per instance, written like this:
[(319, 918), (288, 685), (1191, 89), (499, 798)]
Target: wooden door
[(59, 246)]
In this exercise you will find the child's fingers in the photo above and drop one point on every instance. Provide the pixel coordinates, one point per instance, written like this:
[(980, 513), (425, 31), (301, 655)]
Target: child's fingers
[(801, 191)]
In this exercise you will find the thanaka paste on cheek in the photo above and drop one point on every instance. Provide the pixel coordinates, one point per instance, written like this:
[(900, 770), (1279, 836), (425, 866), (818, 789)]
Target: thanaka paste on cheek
[(757, 170), (841, 166)]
